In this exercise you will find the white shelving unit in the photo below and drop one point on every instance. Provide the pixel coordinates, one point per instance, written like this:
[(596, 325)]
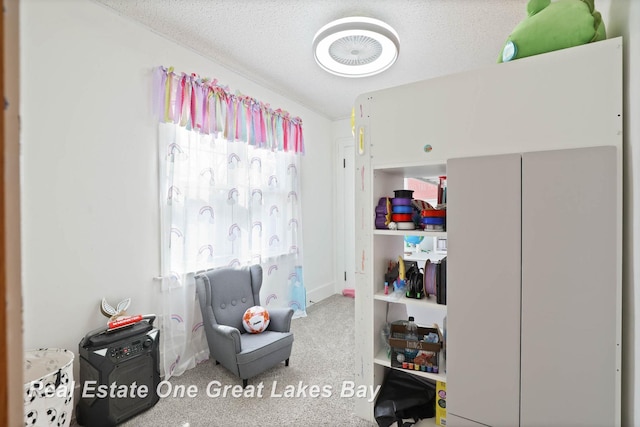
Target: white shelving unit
[(387, 246)]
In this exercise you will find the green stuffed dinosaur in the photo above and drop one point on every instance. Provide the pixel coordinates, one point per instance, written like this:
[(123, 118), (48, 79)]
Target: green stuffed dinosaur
[(554, 26)]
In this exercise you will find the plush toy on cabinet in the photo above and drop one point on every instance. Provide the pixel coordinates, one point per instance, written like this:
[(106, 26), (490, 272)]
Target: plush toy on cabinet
[(553, 26)]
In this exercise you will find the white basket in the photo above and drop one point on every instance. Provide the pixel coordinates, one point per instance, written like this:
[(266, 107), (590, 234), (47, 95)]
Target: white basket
[(48, 387)]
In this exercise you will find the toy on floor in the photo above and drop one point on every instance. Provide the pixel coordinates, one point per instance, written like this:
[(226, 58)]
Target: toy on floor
[(351, 293), (553, 26)]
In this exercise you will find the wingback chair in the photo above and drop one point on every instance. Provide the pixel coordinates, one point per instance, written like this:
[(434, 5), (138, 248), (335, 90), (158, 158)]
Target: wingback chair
[(224, 295)]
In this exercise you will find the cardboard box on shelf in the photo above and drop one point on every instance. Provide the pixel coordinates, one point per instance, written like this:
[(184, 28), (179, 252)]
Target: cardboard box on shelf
[(425, 357)]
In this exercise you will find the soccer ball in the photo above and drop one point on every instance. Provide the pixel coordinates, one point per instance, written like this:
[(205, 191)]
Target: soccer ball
[(255, 319)]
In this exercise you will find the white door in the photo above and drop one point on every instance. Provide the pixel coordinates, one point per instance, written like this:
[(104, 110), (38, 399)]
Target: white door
[(346, 216)]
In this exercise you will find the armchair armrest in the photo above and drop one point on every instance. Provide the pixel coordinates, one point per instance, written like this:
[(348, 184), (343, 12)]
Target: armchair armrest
[(280, 319), (224, 345), (226, 337)]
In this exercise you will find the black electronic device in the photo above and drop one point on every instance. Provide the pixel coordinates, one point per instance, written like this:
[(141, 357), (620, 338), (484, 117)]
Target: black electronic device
[(119, 373), (414, 280)]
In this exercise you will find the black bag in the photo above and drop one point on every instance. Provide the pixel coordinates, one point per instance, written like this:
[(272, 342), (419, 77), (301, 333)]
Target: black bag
[(404, 396)]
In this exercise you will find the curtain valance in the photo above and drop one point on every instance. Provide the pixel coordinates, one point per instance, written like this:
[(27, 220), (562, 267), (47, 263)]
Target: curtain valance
[(204, 106)]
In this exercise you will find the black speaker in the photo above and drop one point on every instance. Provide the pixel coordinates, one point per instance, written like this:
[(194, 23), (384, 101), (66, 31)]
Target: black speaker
[(119, 374)]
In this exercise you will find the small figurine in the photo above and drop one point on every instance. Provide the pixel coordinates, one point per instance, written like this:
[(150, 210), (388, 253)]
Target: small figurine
[(114, 313)]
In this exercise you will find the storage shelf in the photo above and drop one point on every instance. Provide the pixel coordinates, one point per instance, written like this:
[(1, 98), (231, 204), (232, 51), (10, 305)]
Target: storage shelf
[(382, 232), (382, 360), (423, 256), (429, 303), (420, 169)]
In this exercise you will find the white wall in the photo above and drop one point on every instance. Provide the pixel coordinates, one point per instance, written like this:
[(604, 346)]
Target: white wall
[(90, 209)]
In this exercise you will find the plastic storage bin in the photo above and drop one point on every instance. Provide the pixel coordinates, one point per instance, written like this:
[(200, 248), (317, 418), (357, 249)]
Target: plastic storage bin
[(48, 387)]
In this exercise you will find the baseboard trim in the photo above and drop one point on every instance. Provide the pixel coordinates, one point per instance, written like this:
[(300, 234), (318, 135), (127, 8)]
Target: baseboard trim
[(320, 293)]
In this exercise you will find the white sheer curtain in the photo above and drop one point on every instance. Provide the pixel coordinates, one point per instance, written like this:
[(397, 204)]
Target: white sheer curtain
[(223, 203)]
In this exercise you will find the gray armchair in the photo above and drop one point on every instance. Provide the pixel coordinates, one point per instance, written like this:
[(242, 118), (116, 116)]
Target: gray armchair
[(224, 295)]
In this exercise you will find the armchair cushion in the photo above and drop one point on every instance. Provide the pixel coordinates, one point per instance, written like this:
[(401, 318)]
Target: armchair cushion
[(257, 346)]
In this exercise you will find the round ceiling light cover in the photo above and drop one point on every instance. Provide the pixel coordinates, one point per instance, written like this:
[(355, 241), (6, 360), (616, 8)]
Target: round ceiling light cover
[(356, 47)]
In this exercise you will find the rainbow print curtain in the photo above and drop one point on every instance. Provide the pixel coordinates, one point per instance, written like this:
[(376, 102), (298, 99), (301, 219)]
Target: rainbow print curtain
[(229, 195)]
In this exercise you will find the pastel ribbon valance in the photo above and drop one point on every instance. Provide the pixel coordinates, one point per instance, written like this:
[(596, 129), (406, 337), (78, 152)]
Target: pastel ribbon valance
[(204, 106)]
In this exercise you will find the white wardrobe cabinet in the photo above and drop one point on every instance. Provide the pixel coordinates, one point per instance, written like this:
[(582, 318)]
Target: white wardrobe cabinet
[(532, 151), (532, 267)]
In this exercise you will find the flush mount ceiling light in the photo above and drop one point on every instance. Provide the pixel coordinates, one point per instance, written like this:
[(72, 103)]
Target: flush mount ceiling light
[(356, 47)]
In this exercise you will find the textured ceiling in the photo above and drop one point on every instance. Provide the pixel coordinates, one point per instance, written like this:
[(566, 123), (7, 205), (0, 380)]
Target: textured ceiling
[(269, 41)]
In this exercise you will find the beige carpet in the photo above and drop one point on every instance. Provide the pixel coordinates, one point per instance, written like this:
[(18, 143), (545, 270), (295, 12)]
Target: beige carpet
[(321, 362)]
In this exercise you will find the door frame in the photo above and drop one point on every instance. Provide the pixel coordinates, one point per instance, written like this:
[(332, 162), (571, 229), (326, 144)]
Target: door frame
[(11, 359), (344, 278)]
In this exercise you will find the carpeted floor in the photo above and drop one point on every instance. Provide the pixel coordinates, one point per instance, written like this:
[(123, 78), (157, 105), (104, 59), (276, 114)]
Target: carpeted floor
[(321, 364)]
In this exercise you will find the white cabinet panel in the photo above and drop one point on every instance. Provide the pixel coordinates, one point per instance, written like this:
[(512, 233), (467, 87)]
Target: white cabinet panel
[(483, 288), (453, 421), (532, 104), (569, 288)]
